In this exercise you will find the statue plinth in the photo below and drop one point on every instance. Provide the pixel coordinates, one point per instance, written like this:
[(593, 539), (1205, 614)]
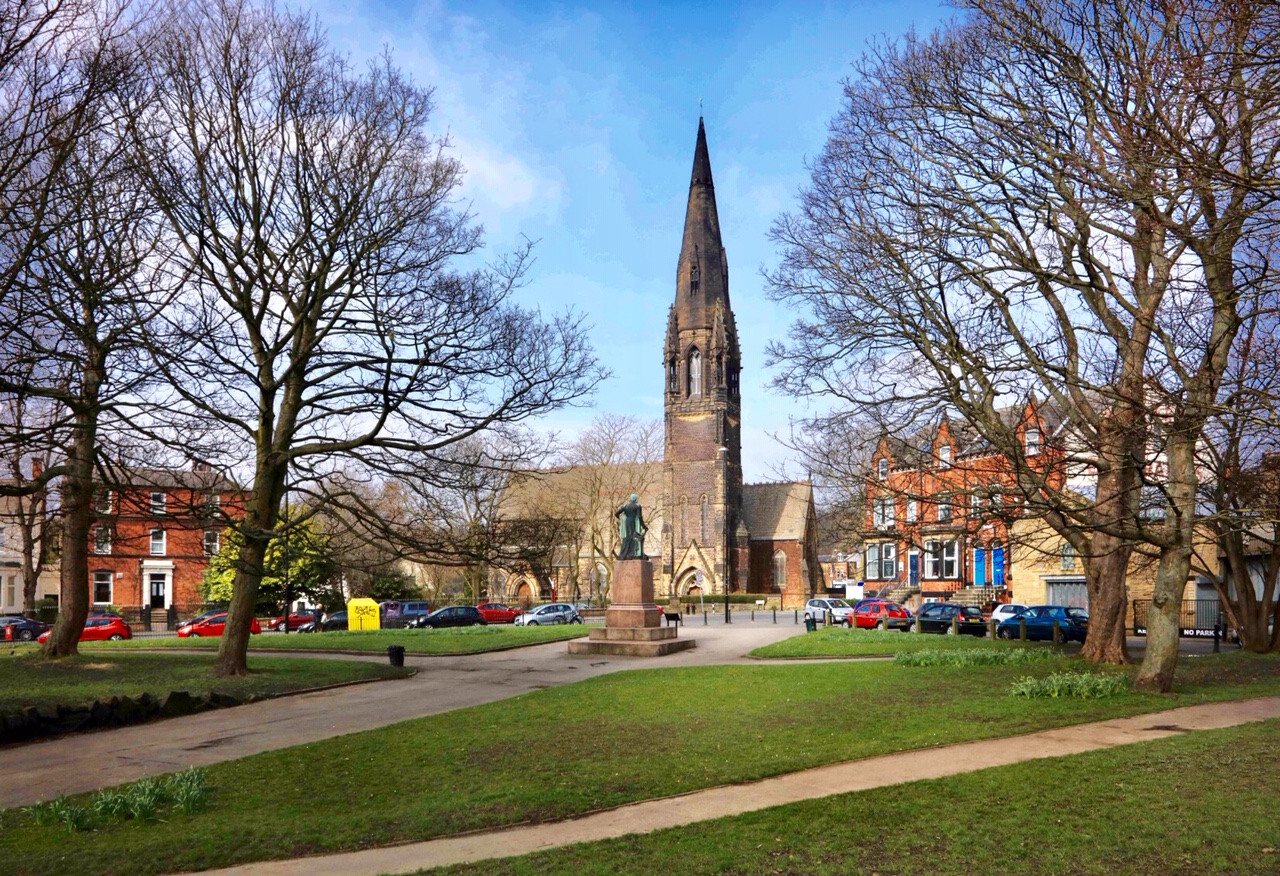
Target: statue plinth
[(632, 624)]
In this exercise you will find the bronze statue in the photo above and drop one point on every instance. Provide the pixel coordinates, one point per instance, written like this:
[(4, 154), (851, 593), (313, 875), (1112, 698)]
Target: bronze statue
[(631, 530)]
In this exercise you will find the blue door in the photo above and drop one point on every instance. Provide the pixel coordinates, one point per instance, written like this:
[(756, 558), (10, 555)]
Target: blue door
[(979, 567), (997, 567), (913, 569)]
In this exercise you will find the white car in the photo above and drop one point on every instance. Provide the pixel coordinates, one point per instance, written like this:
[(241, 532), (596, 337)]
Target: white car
[(1007, 611), (543, 615), (841, 611)]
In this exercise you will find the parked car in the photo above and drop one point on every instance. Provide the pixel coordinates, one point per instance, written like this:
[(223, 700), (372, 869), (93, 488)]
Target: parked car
[(330, 623), (296, 620), (841, 611), (497, 613), (100, 629), (871, 613), (396, 613), (210, 625), (21, 629), (936, 617), (450, 616), (1073, 623), (554, 613), (1006, 611)]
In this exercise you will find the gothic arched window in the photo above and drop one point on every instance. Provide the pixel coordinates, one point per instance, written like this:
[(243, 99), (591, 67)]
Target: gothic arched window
[(671, 375), (779, 570), (703, 537), (695, 373)]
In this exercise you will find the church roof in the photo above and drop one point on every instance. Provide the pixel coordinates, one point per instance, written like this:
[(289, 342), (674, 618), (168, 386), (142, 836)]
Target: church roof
[(777, 512), (702, 273)]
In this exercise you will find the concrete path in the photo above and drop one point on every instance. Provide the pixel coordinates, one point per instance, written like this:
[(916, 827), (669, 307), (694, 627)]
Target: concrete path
[(729, 800), (85, 762)]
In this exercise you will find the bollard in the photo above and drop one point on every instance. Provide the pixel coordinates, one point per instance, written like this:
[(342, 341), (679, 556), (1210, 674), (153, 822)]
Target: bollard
[(775, 615), (1057, 634), (884, 622), (1216, 638), (704, 618), (1022, 629), (955, 625), (991, 627), (797, 616), (753, 615)]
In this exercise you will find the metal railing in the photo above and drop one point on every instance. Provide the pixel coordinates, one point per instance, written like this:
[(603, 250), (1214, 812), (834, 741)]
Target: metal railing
[(1197, 618)]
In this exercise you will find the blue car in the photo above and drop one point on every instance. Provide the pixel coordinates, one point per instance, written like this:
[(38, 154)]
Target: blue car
[(1073, 623)]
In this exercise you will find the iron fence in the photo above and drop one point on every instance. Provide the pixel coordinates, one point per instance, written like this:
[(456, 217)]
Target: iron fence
[(1197, 618)]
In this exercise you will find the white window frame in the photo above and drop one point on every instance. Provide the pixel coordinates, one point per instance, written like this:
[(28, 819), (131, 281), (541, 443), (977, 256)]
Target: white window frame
[(888, 561), (975, 503), (869, 565), (950, 560), (216, 536), (882, 512), (102, 540), (932, 566), (103, 502), (695, 374), (159, 502), (913, 510), (944, 510), (883, 470), (102, 577), (163, 542), (944, 456), (1031, 442), (1068, 556)]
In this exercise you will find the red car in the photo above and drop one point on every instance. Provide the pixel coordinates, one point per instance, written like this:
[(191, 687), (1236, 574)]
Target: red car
[(296, 620), (497, 613), (871, 613), (100, 629), (211, 625)]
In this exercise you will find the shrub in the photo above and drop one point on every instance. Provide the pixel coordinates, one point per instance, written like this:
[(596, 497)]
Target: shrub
[(112, 805), (975, 656), (189, 790), (145, 798), (1079, 685), (59, 811)]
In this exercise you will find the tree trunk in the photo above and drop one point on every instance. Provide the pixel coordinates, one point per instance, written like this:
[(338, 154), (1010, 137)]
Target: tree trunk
[(1163, 627), (233, 650), (77, 513), (1108, 601)]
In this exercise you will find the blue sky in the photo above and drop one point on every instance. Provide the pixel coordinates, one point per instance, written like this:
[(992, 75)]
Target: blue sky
[(577, 124)]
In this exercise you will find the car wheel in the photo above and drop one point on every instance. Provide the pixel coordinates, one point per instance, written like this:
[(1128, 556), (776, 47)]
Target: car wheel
[(951, 630), (576, 620), (193, 635), (1005, 633), (531, 624), (848, 624), (26, 635), (116, 637)]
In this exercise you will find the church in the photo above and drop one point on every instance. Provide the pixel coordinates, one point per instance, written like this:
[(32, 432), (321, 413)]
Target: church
[(718, 533)]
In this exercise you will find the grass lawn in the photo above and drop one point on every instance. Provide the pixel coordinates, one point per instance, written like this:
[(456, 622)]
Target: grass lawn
[(600, 743), (27, 680), (840, 642), (1185, 806), (462, 640)]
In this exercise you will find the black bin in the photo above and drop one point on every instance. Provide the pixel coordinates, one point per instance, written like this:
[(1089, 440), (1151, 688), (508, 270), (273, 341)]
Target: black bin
[(395, 653), (810, 625)]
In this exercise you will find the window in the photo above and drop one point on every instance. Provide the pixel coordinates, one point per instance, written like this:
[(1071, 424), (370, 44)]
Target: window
[(950, 553), (101, 588), (212, 541), (913, 510), (157, 542), (779, 570), (882, 513), (944, 456), (102, 502), (1068, 556), (881, 561), (940, 559), (695, 373), (703, 537), (883, 470), (1032, 442), (212, 504), (158, 501), (872, 566), (11, 591), (102, 539), (671, 375), (975, 504), (944, 510)]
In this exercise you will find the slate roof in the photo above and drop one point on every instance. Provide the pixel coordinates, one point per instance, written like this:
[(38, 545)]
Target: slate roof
[(124, 477), (777, 511)]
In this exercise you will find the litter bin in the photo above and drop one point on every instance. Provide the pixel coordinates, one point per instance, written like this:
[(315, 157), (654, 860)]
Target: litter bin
[(809, 624), (395, 653)]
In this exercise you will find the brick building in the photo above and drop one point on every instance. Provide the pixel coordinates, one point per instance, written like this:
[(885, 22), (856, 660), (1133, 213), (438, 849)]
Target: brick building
[(756, 538), (940, 504), (153, 535)]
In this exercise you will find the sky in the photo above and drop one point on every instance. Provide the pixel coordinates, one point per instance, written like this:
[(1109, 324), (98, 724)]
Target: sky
[(577, 122)]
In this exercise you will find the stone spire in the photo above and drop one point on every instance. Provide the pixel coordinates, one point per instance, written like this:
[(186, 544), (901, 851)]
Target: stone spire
[(702, 274)]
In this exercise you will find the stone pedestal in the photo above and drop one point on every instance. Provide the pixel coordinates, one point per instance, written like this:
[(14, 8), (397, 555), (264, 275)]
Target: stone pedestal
[(632, 624)]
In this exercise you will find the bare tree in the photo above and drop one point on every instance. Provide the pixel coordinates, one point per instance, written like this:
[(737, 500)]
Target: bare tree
[(325, 327), (1047, 201)]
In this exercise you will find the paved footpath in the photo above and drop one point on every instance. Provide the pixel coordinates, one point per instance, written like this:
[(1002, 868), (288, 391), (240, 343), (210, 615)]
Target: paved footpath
[(87, 761), (729, 800)]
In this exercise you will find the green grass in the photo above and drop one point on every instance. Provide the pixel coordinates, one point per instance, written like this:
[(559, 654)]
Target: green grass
[(600, 743), (841, 642), (1185, 806), (28, 680), (463, 640)]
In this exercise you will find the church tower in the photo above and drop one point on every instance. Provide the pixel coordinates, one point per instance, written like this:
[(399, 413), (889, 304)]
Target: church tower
[(703, 530)]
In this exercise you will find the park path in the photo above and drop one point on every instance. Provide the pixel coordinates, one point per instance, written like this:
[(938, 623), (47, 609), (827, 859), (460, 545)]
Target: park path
[(860, 775), (42, 770)]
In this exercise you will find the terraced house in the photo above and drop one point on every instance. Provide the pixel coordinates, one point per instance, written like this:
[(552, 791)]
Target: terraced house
[(940, 504)]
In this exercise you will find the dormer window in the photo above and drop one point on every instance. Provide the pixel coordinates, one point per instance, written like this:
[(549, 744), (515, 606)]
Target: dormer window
[(944, 456), (883, 472), (695, 373), (1032, 442)]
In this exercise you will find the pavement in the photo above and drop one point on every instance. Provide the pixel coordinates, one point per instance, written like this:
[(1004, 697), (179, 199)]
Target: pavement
[(87, 761), (860, 775)]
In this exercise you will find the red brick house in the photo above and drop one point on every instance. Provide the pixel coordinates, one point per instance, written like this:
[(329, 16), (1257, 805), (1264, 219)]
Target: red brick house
[(940, 504), (153, 535)]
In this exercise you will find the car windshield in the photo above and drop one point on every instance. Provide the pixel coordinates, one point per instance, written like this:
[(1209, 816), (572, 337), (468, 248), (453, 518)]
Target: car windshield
[(839, 603)]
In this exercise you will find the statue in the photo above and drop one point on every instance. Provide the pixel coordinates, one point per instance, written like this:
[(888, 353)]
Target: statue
[(631, 530)]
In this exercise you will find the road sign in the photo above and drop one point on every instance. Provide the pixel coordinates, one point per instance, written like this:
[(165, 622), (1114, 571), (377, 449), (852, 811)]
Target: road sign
[(697, 576)]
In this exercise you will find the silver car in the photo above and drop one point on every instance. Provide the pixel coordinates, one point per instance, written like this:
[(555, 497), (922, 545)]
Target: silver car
[(544, 615), (841, 611)]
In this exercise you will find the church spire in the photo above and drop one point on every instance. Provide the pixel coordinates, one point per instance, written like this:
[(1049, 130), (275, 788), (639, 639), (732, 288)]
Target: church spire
[(702, 275)]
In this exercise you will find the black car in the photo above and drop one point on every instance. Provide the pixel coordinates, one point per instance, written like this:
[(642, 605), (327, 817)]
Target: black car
[(452, 616), (936, 617), (331, 622), (21, 629)]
